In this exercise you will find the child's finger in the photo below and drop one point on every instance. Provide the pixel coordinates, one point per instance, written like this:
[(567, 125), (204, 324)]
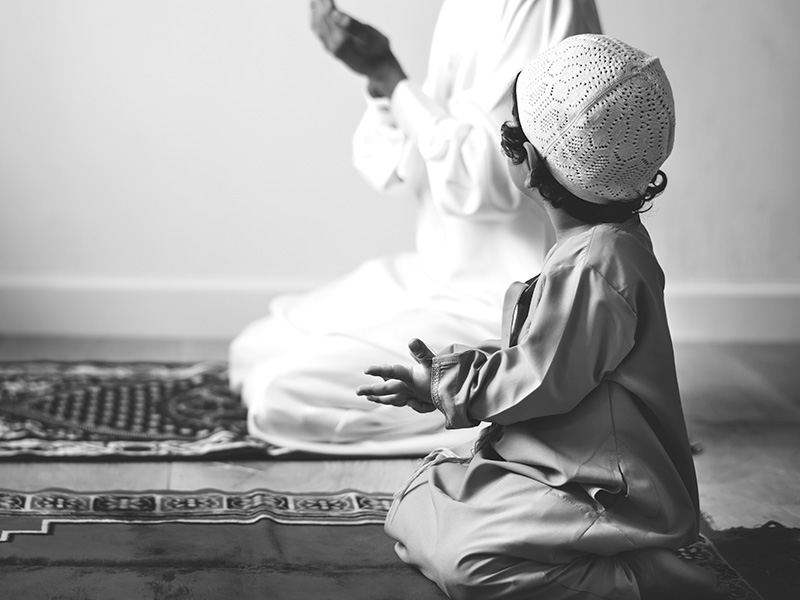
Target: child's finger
[(400, 372), (392, 386), (392, 400), (420, 351), (377, 370)]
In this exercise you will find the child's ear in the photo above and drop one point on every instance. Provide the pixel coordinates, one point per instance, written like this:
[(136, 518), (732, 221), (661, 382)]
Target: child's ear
[(532, 159)]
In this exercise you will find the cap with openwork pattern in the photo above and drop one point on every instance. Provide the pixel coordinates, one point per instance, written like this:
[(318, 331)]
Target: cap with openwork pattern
[(600, 113)]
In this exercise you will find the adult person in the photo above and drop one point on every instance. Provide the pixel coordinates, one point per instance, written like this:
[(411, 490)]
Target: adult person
[(297, 367)]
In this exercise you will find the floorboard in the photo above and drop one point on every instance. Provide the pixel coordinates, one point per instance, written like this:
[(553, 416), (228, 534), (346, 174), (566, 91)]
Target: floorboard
[(742, 406)]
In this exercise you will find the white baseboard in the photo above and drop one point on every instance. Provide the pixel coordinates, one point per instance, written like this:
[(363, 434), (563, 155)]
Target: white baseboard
[(135, 308), (210, 309), (744, 313)]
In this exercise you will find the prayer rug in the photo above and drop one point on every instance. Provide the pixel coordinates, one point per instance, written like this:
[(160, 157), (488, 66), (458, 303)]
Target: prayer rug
[(205, 545), (210, 544), (122, 410), (767, 556)]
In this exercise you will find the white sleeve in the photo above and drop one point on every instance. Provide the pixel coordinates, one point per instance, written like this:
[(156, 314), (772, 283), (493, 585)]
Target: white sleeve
[(460, 147), (379, 145), (465, 171), (449, 133)]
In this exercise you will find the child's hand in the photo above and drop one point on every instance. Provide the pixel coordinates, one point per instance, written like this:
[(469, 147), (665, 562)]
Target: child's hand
[(402, 385)]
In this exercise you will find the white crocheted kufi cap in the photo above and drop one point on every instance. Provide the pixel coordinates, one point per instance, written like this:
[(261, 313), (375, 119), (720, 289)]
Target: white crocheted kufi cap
[(601, 115)]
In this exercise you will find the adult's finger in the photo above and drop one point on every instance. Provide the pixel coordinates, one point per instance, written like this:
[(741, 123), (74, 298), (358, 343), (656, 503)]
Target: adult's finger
[(354, 27), (320, 26), (322, 5), (318, 10), (325, 23)]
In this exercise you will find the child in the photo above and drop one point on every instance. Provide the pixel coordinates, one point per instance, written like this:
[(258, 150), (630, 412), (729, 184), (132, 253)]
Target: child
[(584, 481)]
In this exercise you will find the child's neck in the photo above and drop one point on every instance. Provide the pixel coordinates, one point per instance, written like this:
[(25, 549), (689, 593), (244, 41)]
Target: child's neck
[(565, 225)]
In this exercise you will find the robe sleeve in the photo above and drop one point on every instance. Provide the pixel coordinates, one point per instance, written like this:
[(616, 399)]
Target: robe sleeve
[(444, 134), (458, 145), (379, 145), (580, 330)]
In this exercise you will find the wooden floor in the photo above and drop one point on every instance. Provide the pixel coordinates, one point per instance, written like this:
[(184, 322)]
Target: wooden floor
[(742, 405)]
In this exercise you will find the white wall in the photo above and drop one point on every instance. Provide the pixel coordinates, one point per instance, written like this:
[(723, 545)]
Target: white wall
[(168, 165), (726, 229), (156, 154)]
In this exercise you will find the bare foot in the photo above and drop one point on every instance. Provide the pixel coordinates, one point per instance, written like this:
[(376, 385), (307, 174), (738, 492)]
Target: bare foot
[(663, 576)]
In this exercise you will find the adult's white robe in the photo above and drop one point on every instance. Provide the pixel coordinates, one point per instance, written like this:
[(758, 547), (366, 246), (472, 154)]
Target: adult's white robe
[(298, 367)]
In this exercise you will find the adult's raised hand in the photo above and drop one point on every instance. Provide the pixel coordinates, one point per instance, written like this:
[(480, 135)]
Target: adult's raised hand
[(361, 47)]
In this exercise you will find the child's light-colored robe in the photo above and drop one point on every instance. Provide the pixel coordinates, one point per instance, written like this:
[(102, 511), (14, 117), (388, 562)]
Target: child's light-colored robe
[(594, 457)]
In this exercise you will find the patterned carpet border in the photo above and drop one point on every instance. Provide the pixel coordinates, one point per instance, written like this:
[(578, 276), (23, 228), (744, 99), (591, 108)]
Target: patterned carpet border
[(126, 410), (50, 507), (39, 511)]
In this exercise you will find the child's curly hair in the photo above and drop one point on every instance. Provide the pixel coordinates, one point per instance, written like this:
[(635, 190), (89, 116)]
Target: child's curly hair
[(512, 140)]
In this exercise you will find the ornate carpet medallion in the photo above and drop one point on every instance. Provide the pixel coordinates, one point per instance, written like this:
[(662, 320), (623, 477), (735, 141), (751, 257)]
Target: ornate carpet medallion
[(141, 410)]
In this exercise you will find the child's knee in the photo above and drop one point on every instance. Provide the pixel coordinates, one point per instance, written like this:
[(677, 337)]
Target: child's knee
[(481, 576), (464, 576)]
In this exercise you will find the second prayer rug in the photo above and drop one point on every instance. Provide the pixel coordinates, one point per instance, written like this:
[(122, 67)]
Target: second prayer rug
[(211, 544)]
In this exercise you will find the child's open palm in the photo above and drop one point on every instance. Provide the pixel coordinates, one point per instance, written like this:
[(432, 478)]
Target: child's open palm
[(403, 385)]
